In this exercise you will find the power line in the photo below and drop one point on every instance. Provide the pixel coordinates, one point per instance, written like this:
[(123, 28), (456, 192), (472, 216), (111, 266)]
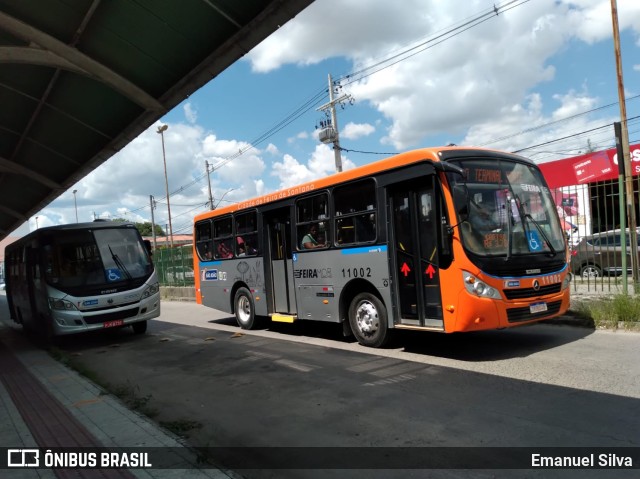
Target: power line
[(318, 97)]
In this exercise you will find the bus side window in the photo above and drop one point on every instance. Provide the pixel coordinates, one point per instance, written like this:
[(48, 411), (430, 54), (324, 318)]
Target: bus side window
[(223, 238), (204, 243), (312, 225), (246, 234), (355, 212)]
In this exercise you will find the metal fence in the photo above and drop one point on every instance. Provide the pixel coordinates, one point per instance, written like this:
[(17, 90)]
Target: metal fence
[(590, 214), (174, 265)]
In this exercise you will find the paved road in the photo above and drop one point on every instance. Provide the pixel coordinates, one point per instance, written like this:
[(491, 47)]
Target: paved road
[(304, 385)]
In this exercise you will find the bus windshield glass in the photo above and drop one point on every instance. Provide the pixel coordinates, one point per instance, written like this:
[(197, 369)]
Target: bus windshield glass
[(505, 209), (100, 257)]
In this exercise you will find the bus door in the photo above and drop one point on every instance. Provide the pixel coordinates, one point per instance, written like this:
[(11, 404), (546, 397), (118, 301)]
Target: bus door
[(414, 234), (280, 261), (31, 270)]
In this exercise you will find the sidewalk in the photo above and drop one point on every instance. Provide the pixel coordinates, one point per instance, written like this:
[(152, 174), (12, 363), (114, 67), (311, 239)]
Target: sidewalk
[(45, 404)]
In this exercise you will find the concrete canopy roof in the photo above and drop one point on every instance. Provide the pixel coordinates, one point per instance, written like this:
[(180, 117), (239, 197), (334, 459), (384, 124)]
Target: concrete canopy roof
[(80, 79)]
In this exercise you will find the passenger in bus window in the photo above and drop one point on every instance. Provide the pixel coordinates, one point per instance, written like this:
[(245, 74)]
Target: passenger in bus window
[(309, 240), (242, 248), (205, 253), (224, 251)]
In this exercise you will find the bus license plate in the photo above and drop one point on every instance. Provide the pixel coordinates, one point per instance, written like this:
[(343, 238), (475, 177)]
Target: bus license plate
[(112, 324), (537, 308)]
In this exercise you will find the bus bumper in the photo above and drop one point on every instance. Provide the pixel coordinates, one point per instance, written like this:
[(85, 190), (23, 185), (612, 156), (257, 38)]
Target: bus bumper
[(76, 321), (477, 314)]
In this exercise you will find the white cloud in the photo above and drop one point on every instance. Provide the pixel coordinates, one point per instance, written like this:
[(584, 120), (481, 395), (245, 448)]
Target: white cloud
[(303, 135), (124, 183), (465, 80), (591, 19), (190, 113), (272, 149), (489, 82), (291, 172), (353, 131), (519, 127)]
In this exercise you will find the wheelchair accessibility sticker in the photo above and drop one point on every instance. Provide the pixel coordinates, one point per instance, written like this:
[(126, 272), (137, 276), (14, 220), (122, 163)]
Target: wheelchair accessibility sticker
[(114, 274), (533, 239)]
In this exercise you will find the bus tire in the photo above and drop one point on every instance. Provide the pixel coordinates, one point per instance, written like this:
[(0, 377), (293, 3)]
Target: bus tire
[(244, 309), (140, 327), (368, 320)]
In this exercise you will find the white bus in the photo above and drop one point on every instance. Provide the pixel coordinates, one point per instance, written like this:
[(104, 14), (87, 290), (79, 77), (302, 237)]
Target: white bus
[(81, 277)]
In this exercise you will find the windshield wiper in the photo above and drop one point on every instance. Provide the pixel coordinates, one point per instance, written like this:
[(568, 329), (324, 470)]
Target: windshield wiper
[(523, 216), (544, 235), (119, 263), (509, 215)]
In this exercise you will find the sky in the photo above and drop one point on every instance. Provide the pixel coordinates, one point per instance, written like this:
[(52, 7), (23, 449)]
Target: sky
[(537, 77)]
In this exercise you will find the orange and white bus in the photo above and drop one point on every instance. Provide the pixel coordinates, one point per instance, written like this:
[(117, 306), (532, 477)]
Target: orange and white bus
[(444, 239)]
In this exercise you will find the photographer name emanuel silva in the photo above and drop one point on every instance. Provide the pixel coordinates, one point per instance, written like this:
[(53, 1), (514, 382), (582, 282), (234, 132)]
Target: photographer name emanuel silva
[(589, 460)]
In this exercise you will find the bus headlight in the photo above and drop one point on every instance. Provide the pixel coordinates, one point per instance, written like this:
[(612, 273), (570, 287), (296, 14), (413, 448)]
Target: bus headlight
[(479, 288), (151, 290), (61, 304)]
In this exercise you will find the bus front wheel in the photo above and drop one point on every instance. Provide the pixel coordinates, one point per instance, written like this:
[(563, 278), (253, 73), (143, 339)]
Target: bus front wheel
[(139, 327), (245, 309), (368, 320)]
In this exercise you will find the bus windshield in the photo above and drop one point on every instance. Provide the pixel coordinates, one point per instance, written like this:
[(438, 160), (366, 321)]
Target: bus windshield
[(100, 257), (505, 209)]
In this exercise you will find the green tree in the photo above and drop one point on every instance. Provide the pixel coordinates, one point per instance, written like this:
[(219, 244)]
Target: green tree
[(144, 228)]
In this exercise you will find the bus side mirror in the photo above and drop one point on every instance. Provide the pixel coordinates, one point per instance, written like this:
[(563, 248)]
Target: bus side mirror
[(147, 244)]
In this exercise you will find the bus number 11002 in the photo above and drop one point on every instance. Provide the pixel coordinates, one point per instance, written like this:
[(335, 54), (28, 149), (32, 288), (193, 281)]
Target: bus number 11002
[(356, 272)]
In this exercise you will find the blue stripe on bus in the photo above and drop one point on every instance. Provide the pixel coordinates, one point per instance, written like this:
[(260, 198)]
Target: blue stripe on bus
[(210, 263), (365, 249), (529, 275)]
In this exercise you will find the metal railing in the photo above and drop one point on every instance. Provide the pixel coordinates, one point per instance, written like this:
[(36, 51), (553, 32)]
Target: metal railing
[(174, 266)]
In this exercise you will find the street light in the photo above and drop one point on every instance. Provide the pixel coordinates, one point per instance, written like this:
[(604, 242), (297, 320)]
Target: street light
[(222, 197), (75, 204), (161, 130), (36, 222)]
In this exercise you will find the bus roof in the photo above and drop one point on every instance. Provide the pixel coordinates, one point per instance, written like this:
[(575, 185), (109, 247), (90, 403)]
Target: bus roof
[(432, 154), (98, 224)]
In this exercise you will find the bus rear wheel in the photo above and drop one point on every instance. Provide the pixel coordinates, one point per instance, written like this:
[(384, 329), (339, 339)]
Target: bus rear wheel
[(368, 320), (245, 309)]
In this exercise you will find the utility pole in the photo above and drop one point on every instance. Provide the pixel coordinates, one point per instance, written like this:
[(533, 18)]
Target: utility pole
[(206, 164), (153, 222), (333, 136), (630, 196)]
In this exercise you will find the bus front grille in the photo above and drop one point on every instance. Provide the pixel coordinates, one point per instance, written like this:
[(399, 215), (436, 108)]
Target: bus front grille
[(518, 315), (101, 318), (532, 293)]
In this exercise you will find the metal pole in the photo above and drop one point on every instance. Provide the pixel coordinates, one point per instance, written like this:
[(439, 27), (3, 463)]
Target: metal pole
[(628, 177), (161, 130), (206, 164), (621, 174), (75, 204), (153, 224)]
